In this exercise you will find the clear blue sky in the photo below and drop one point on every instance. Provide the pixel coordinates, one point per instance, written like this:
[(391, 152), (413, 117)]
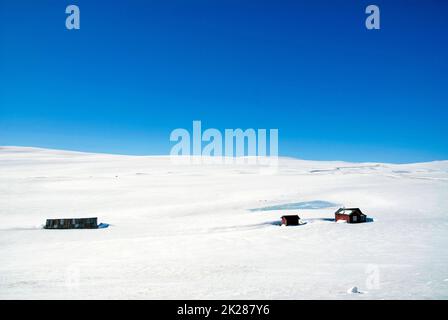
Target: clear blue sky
[(136, 70)]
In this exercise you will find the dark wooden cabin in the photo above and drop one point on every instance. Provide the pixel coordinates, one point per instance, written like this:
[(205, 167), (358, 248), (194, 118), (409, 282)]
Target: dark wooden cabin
[(72, 223), (351, 215), (292, 220)]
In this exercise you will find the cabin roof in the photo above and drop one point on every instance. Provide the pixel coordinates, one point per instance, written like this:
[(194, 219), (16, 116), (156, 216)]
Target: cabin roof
[(349, 211), (89, 218)]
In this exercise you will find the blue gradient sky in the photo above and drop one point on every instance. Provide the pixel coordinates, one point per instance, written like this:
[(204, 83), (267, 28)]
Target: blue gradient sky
[(139, 69)]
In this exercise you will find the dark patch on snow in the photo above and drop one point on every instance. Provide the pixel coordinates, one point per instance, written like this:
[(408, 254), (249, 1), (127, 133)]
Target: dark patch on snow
[(315, 204), (321, 219)]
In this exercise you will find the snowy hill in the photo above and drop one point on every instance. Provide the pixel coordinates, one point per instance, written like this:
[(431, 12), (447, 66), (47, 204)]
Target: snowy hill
[(185, 231)]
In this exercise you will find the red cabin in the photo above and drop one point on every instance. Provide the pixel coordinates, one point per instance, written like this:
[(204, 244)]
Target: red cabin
[(351, 215)]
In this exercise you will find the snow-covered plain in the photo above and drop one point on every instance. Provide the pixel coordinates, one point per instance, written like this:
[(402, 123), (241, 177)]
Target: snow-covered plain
[(187, 231)]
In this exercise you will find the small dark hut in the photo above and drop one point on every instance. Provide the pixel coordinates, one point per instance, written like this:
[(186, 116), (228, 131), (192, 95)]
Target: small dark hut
[(72, 223), (351, 215), (292, 220)]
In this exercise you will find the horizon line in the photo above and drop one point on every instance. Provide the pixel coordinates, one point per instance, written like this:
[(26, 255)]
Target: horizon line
[(168, 155)]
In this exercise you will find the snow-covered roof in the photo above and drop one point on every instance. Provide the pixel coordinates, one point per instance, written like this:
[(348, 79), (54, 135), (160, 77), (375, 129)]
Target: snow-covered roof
[(348, 211)]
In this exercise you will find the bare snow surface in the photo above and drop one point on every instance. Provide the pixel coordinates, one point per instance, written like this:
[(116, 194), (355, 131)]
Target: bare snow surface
[(185, 231)]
